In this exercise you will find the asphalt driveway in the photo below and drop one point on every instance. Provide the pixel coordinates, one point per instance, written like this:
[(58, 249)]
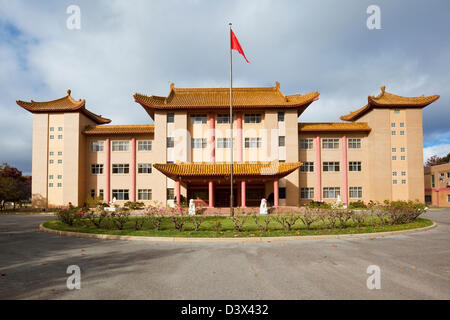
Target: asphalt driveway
[(33, 265)]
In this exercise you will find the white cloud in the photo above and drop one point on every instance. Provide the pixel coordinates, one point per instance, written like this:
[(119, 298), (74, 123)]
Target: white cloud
[(440, 150)]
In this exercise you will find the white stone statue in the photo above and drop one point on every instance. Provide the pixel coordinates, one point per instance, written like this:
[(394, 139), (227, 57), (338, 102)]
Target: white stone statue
[(339, 201), (191, 207), (263, 207)]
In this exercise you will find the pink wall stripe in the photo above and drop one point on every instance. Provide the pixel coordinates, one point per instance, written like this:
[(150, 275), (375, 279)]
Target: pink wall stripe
[(318, 170), (133, 169), (212, 138), (108, 171), (178, 192), (243, 194), (211, 194), (344, 171), (239, 137), (275, 194)]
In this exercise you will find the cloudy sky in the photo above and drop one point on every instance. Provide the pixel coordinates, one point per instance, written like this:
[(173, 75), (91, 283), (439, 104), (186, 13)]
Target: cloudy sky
[(125, 47)]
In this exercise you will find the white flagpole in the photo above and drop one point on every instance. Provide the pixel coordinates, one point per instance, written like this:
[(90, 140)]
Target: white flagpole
[(231, 126)]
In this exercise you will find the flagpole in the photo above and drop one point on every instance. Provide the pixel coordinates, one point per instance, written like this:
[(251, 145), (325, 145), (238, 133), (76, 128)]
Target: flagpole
[(231, 127)]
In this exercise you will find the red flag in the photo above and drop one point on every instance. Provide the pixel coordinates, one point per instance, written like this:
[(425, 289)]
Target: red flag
[(235, 45)]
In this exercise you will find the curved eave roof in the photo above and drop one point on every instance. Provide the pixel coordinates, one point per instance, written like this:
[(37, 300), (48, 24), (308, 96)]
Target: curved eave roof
[(64, 104), (222, 169), (219, 98), (334, 127), (119, 129), (389, 100)]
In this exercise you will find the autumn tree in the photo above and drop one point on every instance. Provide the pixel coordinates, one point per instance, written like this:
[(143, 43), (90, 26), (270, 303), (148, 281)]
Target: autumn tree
[(14, 187)]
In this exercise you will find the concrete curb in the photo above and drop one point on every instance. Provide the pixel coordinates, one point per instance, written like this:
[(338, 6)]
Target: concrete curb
[(253, 239)]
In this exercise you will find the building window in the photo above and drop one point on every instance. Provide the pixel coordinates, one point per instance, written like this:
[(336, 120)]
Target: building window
[(330, 143), (394, 157), (403, 181), (306, 143), (393, 124), (52, 137), (100, 193), (51, 153), (402, 157), (448, 175), (145, 145), (120, 145), (307, 167), (97, 146), (51, 161), (59, 161), (121, 194), (50, 185), (396, 111), (198, 118), (252, 118), (59, 176), (394, 133), (170, 117), (354, 143), (402, 133), (92, 193), (394, 181), (144, 168), (331, 192), (331, 166), (307, 193), (60, 136), (223, 118), (50, 177), (198, 143), (223, 143), (97, 168), (59, 153), (281, 141), (354, 166), (282, 192), (144, 194), (253, 142), (280, 116), (355, 192), (170, 142), (402, 149), (121, 168), (394, 149), (441, 176), (394, 173), (60, 129), (432, 181), (403, 173), (59, 185), (170, 194), (402, 124), (52, 129)]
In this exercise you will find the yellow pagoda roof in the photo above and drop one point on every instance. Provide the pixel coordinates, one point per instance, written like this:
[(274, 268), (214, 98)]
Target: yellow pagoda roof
[(120, 129), (219, 169), (64, 104), (333, 127), (219, 98), (389, 100)]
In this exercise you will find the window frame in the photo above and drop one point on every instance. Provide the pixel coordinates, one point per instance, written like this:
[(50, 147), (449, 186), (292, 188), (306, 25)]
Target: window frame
[(121, 145), (118, 167)]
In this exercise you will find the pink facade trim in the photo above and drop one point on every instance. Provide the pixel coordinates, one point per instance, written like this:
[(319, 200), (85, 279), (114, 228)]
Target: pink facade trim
[(133, 169), (318, 170), (344, 171), (212, 138), (178, 191), (108, 171), (239, 137), (276, 197), (243, 195), (211, 194)]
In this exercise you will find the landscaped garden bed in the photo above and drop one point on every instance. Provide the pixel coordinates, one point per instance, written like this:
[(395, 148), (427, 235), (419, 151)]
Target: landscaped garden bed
[(175, 222)]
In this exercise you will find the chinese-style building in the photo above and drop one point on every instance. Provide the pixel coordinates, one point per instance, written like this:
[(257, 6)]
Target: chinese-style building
[(376, 154)]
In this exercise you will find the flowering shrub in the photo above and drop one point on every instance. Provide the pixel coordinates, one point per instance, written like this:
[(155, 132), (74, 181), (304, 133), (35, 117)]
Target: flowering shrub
[(287, 221), (318, 205), (179, 217), (357, 204), (120, 217), (69, 214)]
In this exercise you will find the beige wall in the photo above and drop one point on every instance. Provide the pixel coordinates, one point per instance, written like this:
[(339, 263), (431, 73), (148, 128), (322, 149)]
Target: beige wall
[(440, 191)]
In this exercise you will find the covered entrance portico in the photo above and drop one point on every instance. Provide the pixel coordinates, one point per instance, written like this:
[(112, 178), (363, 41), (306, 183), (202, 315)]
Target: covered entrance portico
[(209, 183)]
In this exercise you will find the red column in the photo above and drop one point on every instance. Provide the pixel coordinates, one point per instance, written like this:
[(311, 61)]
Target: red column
[(212, 138), (178, 192), (437, 198), (108, 171), (318, 170), (211, 194), (344, 171), (239, 137), (133, 169), (275, 194), (243, 204)]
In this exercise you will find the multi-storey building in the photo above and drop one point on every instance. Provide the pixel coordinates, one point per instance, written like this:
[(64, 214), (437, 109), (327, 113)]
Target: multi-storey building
[(437, 185), (186, 153)]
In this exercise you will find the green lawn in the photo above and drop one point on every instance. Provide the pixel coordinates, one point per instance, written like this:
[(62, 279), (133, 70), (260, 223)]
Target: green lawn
[(249, 229)]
